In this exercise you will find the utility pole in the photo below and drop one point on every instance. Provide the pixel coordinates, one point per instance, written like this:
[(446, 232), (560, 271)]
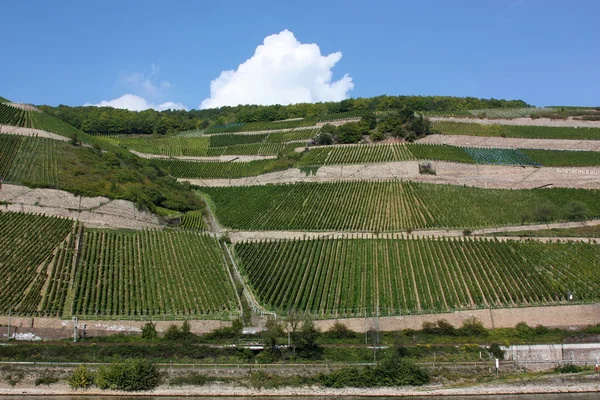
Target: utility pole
[(9, 311), (74, 319)]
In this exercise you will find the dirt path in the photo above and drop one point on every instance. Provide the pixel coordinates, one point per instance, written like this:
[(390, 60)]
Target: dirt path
[(570, 122), (93, 212), (15, 130), (217, 159), (484, 176), (513, 143), (239, 236)]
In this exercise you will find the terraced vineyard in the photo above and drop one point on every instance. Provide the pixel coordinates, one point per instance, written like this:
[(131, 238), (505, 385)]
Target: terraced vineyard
[(255, 149), (355, 277), (356, 154), (563, 158), (514, 131), (172, 146), (215, 170), (152, 273), (27, 243), (9, 147), (14, 116), (262, 126), (440, 153), (167, 273), (390, 206), (207, 146), (193, 220), (29, 159), (499, 156)]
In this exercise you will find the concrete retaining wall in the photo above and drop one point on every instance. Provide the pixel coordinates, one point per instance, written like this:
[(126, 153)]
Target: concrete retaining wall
[(553, 352)]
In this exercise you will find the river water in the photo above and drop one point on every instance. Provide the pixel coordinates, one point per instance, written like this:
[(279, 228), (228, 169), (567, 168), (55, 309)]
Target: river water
[(573, 396)]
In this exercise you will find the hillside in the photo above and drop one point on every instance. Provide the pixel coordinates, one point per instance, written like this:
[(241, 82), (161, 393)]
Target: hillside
[(345, 209)]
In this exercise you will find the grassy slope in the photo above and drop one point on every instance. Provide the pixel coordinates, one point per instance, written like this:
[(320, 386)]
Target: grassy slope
[(3, 100)]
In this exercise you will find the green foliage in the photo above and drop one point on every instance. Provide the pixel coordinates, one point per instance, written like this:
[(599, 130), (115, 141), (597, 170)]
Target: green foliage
[(131, 375), (350, 132), (376, 136), (568, 369), (496, 351), (239, 118), (369, 121), (340, 331), (39, 162), (195, 282), (27, 242), (149, 331), (515, 131), (220, 170), (81, 378), (576, 211), (324, 138), (46, 379), (12, 375), (389, 206), (392, 372), (305, 340), (416, 275)]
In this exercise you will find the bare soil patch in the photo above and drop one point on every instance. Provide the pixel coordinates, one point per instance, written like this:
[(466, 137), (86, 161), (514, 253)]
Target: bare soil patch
[(94, 212), (218, 159), (15, 130), (484, 176), (513, 143)]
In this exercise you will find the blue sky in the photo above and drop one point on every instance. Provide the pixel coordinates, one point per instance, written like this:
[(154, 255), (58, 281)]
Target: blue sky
[(545, 52)]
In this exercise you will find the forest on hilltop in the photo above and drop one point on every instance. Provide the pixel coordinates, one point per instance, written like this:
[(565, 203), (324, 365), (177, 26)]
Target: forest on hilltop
[(93, 119)]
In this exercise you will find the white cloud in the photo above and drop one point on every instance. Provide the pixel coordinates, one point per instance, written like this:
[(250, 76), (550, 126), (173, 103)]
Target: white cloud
[(281, 71), (148, 84), (136, 103)]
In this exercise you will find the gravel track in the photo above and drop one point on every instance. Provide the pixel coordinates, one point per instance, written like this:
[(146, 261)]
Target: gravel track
[(238, 236), (484, 176), (513, 143), (191, 158), (15, 130), (570, 122)]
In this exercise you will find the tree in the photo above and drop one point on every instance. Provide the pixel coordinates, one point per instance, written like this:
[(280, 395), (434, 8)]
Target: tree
[(306, 340), (329, 128), (392, 126), (149, 331), (272, 333), (369, 121), (350, 132), (324, 138)]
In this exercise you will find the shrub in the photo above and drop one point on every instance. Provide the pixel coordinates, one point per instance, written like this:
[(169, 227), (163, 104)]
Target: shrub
[(131, 375), (81, 378), (568, 369), (340, 331), (149, 331), (496, 351), (473, 327), (46, 380), (392, 371), (440, 327), (576, 211), (12, 375)]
